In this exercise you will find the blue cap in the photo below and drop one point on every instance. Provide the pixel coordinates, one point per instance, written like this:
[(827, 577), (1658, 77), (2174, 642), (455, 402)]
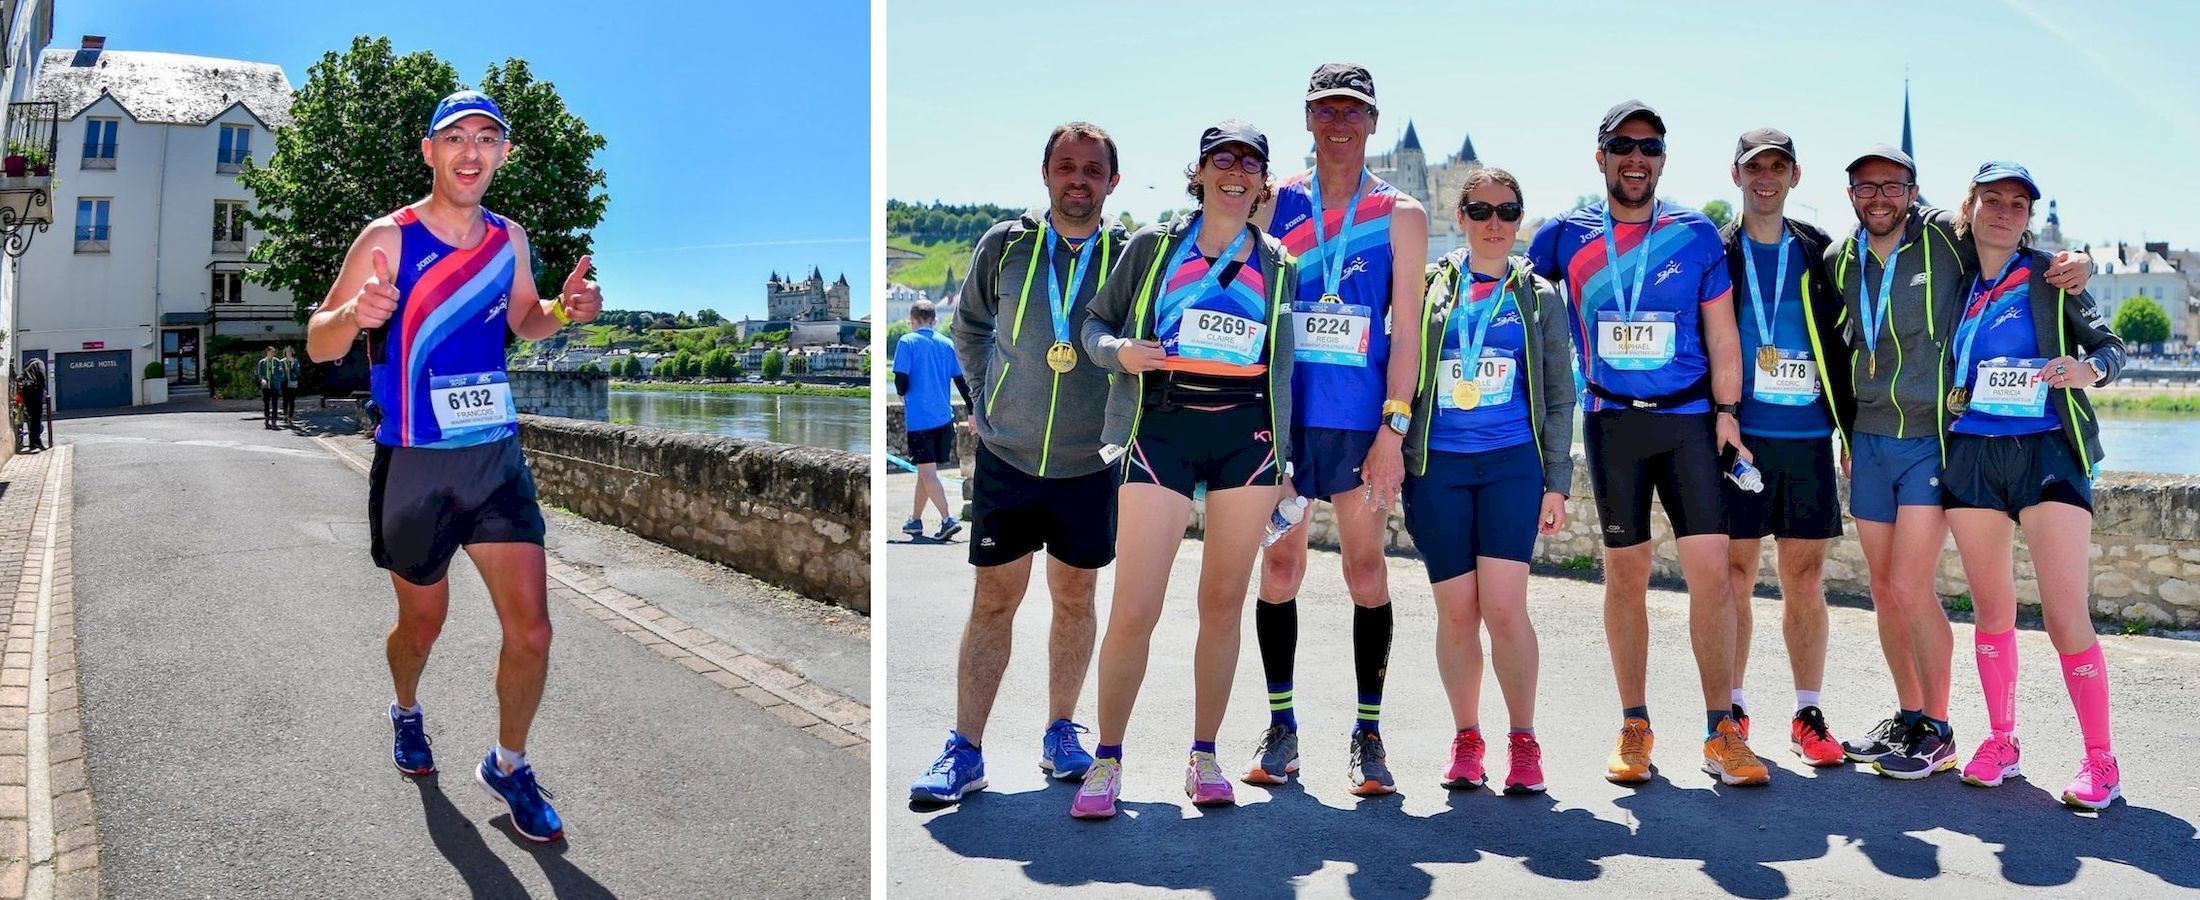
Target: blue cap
[(462, 104), (2004, 171)]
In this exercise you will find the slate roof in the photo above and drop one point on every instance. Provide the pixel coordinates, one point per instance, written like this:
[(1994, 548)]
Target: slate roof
[(164, 88)]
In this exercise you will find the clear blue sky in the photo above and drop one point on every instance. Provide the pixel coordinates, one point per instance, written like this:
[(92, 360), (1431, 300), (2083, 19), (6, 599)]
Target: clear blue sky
[(739, 133), (2095, 98)]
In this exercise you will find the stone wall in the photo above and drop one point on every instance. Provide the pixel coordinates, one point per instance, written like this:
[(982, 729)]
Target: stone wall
[(2146, 548), (897, 435), (571, 395), (798, 517)]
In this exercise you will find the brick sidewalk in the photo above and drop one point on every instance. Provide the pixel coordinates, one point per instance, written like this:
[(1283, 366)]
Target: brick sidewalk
[(49, 842)]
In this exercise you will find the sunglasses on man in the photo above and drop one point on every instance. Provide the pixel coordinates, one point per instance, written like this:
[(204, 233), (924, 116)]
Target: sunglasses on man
[(1621, 146)]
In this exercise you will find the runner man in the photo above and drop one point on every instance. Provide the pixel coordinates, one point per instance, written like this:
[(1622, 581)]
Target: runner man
[(1040, 481), (1654, 323), (1361, 246), (433, 286), (1794, 402), (1902, 276)]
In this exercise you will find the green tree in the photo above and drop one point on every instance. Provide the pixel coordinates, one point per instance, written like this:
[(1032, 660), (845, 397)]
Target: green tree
[(893, 338), (718, 363), (708, 317), (1719, 212), (352, 153), (775, 362), (680, 361), (798, 363), (2140, 321)]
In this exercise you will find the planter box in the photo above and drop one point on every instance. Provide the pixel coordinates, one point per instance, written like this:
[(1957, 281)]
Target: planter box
[(156, 391)]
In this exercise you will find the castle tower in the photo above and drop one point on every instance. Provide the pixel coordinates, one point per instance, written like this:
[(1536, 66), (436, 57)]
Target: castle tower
[(2050, 238)]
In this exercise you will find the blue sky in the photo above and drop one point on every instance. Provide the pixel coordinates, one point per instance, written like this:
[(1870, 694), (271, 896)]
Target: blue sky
[(739, 133), (2095, 98)]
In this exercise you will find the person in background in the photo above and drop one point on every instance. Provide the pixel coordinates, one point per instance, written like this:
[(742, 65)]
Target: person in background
[(924, 366)]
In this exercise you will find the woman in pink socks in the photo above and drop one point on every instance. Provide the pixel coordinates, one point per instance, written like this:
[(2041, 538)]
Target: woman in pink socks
[(2022, 450)]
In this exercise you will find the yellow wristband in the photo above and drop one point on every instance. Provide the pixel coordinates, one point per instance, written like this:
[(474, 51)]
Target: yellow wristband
[(1391, 406), (557, 311)]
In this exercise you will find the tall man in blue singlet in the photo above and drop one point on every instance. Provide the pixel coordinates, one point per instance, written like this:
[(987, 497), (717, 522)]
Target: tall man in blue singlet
[(435, 286), (1653, 320), (1361, 246)]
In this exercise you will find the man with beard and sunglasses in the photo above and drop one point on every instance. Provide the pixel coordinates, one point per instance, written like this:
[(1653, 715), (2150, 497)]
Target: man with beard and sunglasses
[(1902, 276), (1039, 482), (1653, 320), (1795, 399), (1361, 246)]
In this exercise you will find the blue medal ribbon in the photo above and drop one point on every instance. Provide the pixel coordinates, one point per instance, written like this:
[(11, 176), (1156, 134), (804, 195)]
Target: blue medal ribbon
[(1779, 288), (1333, 263), (1874, 313), (1077, 270), (1473, 330), (1627, 305), (1174, 303), (1974, 317)]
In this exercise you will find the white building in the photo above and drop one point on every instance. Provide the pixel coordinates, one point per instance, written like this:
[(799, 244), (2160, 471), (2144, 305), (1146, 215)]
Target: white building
[(2122, 271), (899, 297), (25, 29), (150, 261)]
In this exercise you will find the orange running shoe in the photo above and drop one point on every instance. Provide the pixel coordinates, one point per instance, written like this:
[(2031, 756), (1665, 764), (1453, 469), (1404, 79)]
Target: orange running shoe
[(1811, 740), (1630, 759), (1728, 756)]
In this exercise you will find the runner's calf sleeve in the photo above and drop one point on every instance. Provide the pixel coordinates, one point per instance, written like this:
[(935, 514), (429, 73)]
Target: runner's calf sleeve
[(1371, 628), (2085, 674), (1276, 628), (1997, 676)]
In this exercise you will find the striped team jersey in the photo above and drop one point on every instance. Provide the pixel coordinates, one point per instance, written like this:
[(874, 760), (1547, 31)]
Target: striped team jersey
[(438, 373), (1222, 332), (1342, 348)]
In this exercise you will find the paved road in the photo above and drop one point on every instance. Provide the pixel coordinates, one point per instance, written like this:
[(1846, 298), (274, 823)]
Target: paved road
[(1838, 832), (230, 630)]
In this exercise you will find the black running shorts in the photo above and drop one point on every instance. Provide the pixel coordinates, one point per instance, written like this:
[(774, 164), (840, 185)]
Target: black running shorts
[(423, 504), (1013, 513), (1632, 452)]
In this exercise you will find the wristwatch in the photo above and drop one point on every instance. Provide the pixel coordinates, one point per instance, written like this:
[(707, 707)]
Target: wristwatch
[(1732, 409), (1398, 416)]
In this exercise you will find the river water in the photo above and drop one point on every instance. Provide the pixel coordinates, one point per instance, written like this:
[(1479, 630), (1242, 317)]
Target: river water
[(2168, 443), (841, 423)]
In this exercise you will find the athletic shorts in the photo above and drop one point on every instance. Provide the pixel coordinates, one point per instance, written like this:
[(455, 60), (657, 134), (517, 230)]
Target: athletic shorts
[(2013, 473), (1633, 452), (1892, 472), (423, 504), (1183, 447), (1013, 513), (1326, 461), (933, 445), (1801, 499), (1469, 505)]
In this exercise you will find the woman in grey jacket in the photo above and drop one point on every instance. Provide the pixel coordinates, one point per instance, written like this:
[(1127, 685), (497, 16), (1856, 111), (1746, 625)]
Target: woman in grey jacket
[(1188, 321), (2022, 450), (1488, 462)]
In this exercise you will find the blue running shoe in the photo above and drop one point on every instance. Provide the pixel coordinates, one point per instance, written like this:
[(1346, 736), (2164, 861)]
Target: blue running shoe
[(411, 753), (1059, 753), (948, 528), (959, 770), (529, 802)]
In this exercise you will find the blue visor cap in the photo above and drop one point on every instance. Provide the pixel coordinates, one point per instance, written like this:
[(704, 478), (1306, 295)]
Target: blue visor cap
[(2004, 171), (462, 104)]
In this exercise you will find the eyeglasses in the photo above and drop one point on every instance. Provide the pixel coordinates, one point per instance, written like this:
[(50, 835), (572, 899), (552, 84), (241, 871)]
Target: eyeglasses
[(1330, 114), (1250, 165), (1867, 190), (484, 140), (1621, 146), (1481, 212)]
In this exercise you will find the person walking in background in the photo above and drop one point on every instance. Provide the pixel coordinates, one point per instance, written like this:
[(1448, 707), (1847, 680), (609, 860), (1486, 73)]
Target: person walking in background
[(291, 382), (31, 385), (269, 372), (924, 365)]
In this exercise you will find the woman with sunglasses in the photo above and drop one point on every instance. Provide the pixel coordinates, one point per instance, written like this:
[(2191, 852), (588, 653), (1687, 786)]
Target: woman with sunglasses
[(1190, 316), (1488, 467), (2022, 450)]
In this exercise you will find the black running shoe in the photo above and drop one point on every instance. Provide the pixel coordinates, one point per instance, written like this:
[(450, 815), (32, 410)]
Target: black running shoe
[(1878, 742), (1922, 751)]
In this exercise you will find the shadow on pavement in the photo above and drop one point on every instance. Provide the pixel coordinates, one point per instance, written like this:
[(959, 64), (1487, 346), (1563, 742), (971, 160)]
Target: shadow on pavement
[(1257, 850), (486, 875)]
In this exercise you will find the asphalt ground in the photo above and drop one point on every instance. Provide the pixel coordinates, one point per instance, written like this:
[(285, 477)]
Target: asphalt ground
[(1840, 832)]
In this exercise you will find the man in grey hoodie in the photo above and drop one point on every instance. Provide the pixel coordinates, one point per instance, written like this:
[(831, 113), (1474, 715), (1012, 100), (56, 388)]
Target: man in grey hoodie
[(1039, 481)]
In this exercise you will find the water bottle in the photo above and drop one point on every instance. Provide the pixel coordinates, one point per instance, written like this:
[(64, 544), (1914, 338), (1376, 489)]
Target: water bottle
[(1287, 516), (1746, 476)]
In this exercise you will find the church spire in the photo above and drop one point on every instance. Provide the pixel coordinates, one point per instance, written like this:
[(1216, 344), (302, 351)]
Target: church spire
[(1907, 149), (1412, 140)]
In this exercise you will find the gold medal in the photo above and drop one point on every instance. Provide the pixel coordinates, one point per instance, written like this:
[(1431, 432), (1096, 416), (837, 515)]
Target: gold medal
[(1332, 298), (1871, 366), (1959, 400), (1768, 359), (1466, 394), (1061, 357)]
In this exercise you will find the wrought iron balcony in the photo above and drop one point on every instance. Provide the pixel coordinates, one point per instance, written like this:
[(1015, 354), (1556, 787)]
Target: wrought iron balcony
[(26, 174)]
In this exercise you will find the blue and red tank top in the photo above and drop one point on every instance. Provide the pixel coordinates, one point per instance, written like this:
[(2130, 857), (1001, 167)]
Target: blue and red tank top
[(439, 371), (1348, 376)]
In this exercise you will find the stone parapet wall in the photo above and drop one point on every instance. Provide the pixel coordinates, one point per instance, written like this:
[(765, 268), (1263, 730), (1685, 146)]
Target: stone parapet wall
[(2146, 548), (795, 516), (570, 395)]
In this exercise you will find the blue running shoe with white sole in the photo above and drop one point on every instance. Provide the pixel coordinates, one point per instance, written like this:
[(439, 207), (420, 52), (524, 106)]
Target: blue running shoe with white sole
[(959, 770), (411, 752), (529, 802), (1060, 754)]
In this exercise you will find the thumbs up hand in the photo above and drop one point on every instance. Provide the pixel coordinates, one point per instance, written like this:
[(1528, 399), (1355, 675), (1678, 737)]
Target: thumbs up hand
[(377, 299), (583, 299)]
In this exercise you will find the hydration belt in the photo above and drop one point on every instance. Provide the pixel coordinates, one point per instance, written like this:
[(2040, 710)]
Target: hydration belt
[(1700, 390)]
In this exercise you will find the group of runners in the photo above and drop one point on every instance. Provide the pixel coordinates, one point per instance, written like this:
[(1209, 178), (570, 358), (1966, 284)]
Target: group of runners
[(1286, 340)]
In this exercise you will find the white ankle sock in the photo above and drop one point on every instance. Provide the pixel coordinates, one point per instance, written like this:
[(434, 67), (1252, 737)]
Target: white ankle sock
[(509, 761), (1805, 698), (396, 710), (1739, 701)]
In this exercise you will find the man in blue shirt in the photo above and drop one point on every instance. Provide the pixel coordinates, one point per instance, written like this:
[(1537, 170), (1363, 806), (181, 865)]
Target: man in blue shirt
[(924, 364), (1653, 321)]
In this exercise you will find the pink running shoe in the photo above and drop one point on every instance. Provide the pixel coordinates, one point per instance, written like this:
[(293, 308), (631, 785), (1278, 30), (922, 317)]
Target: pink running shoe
[(2098, 783), (1466, 761), (1096, 798), (1993, 762), (1526, 773), (1205, 783)]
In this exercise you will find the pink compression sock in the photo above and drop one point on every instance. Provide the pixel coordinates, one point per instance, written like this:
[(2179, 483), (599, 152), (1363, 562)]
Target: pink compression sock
[(1997, 674), (2086, 675)]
